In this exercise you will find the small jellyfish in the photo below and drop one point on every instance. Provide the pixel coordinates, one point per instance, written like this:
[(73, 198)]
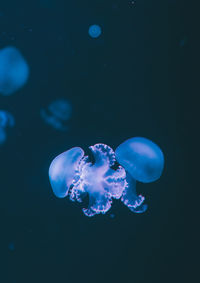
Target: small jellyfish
[(57, 114), (143, 161), (73, 174), (94, 31), (6, 121), (14, 70)]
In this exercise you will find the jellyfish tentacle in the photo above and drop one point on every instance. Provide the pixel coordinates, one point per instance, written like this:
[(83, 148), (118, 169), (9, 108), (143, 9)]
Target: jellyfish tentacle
[(77, 194), (115, 182), (98, 203), (103, 154), (130, 198)]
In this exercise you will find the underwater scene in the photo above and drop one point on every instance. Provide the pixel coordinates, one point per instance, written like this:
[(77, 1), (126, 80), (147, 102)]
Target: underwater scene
[(92, 141)]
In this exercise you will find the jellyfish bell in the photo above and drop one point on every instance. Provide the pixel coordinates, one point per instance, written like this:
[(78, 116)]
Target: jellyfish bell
[(143, 161), (142, 158), (57, 114), (62, 170), (61, 108), (14, 70), (94, 31)]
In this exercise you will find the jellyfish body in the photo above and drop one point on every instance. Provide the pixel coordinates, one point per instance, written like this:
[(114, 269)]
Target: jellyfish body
[(143, 161), (6, 121), (62, 170), (76, 176), (57, 114), (94, 31), (14, 70)]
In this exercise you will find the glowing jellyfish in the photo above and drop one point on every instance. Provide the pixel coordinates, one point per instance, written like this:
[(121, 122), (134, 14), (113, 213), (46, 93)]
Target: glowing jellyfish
[(143, 161), (6, 121), (57, 114), (14, 70), (73, 174), (94, 31)]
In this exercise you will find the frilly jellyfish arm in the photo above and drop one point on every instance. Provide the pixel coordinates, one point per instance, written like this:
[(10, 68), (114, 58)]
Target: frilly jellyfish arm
[(115, 182), (62, 171), (104, 156), (130, 198), (98, 203), (98, 180)]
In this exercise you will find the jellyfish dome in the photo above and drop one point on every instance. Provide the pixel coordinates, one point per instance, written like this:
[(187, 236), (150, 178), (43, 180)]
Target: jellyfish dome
[(73, 174), (14, 70), (143, 161), (94, 31), (142, 158), (57, 114)]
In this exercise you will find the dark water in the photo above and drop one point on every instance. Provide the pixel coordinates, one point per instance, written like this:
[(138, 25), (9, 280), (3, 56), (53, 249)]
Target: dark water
[(131, 81)]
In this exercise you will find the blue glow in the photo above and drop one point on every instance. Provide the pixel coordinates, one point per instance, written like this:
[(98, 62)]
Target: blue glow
[(143, 161), (11, 246), (94, 31), (2, 136), (142, 158), (57, 114), (14, 70), (71, 173), (62, 170), (6, 121)]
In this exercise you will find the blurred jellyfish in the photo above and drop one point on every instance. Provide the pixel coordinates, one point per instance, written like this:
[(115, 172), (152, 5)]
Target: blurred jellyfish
[(57, 114), (6, 121), (14, 70), (11, 246), (143, 161), (71, 173), (94, 31)]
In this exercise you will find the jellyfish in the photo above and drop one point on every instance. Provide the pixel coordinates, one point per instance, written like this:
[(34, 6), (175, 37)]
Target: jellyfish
[(94, 31), (14, 70), (143, 161), (73, 174), (6, 121), (57, 114)]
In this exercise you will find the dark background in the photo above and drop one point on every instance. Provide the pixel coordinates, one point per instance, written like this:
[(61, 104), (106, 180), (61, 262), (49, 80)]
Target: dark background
[(131, 81)]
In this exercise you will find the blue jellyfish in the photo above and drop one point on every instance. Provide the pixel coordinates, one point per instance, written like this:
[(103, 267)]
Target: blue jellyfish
[(143, 161), (57, 114), (6, 121), (94, 31), (14, 70), (73, 174)]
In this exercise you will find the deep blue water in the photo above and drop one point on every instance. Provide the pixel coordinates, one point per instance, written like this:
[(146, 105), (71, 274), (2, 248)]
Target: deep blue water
[(130, 81)]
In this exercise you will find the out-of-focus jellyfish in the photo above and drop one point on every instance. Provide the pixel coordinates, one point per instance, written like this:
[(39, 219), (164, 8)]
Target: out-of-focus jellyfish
[(14, 70), (6, 121), (94, 31), (11, 246), (57, 114), (71, 173), (143, 161)]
